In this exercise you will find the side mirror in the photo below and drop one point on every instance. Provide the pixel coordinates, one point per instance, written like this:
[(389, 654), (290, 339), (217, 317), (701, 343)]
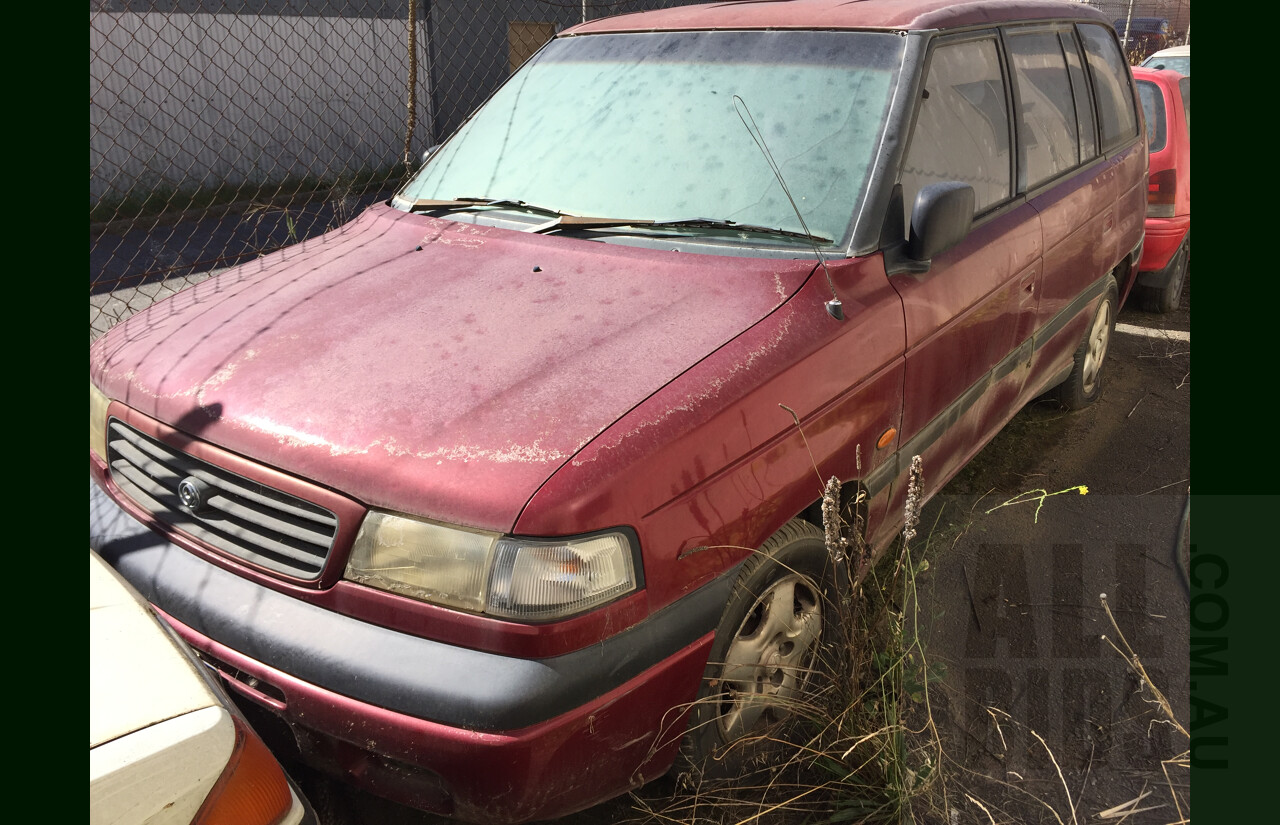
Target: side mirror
[(940, 219), (431, 151)]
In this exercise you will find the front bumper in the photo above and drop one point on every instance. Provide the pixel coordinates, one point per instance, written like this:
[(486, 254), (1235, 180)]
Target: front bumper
[(460, 732)]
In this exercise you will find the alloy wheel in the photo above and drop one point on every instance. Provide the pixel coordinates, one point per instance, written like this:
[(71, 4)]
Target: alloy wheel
[(1099, 337)]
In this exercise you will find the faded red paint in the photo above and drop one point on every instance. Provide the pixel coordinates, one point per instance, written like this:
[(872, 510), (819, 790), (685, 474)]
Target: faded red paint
[(617, 741), (828, 14), (328, 359), (1165, 235)]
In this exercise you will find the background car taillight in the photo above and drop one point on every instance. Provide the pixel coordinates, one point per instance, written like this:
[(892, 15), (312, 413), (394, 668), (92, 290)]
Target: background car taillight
[(1162, 188), (253, 789)]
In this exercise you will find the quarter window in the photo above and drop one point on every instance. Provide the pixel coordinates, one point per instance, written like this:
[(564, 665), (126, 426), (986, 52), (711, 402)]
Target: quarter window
[(962, 131), (1110, 74), (1047, 136), (1153, 111), (1088, 125), (1184, 86)]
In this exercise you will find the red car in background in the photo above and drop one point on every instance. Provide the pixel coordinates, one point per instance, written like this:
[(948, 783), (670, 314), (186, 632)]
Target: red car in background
[(1166, 253)]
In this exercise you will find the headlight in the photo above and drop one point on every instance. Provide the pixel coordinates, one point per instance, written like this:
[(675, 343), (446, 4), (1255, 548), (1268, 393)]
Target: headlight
[(98, 404), (423, 560), (486, 573)]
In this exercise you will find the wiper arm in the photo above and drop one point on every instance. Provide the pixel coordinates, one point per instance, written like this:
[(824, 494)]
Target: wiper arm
[(733, 226), (585, 222), (560, 220), (563, 221), (458, 204)]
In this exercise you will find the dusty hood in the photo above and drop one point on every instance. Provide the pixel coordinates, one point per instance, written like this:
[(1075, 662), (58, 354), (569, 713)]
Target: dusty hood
[(428, 366)]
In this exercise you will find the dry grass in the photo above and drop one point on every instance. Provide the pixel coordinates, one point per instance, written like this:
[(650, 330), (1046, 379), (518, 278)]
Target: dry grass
[(862, 745)]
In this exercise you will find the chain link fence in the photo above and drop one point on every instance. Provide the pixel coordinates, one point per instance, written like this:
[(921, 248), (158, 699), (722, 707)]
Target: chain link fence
[(1152, 24), (221, 130)]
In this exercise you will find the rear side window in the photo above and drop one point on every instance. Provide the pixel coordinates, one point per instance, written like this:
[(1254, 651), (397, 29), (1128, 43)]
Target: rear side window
[(962, 131), (1153, 111), (1087, 123), (1110, 75), (1184, 87), (1048, 139)]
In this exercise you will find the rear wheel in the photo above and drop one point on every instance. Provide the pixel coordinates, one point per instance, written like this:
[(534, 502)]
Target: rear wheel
[(1167, 298), (1084, 385)]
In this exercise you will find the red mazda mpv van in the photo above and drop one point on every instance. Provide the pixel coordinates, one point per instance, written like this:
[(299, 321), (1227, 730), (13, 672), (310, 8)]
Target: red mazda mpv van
[(480, 491)]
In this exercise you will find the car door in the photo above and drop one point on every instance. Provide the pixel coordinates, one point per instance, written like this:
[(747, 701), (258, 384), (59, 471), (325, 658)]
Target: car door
[(1080, 162), (966, 315)]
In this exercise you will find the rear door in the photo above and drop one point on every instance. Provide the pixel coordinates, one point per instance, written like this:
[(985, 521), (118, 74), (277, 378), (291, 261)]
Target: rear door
[(1092, 215)]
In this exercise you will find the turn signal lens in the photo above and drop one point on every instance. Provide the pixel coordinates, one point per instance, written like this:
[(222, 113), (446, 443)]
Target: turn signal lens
[(551, 580), (253, 789)]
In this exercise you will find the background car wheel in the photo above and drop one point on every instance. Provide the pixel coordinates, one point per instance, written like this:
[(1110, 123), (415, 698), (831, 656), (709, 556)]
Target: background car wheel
[(765, 653), (1084, 384), (1168, 297)]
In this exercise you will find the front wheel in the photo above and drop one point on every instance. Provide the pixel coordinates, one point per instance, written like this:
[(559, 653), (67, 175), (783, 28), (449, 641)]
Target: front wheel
[(766, 649), (1084, 384)]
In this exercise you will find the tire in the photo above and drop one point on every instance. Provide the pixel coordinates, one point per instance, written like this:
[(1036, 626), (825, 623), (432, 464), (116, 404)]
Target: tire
[(1166, 298), (1084, 384), (765, 653)]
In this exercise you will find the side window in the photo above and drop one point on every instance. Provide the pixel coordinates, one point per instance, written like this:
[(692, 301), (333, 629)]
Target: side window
[(962, 131), (1153, 111), (1110, 74), (1084, 102), (1048, 140), (1184, 86)]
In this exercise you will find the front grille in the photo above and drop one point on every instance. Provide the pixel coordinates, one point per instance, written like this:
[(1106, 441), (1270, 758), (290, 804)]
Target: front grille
[(245, 519)]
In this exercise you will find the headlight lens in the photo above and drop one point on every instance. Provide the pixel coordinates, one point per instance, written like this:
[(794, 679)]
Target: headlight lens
[(98, 403), (485, 573), (423, 560)]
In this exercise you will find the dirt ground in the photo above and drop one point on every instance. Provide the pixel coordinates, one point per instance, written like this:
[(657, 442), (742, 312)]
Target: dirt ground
[(1013, 599), (1039, 717)]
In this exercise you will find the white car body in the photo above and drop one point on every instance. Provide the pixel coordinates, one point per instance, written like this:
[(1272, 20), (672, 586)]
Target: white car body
[(1176, 58), (161, 734)]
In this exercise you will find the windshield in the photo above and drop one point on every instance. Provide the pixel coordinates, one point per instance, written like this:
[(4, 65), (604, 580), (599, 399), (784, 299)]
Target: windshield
[(644, 126)]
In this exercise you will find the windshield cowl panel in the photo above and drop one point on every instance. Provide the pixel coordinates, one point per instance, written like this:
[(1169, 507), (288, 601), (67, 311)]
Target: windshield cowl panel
[(644, 126)]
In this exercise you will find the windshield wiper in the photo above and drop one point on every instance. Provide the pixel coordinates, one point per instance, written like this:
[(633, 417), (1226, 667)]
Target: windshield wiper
[(585, 222), (458, 204), (734, 226), (561, 220)]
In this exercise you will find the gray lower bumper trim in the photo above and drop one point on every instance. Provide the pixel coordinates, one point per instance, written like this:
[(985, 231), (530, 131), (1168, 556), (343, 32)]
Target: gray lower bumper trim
[(427, 679)]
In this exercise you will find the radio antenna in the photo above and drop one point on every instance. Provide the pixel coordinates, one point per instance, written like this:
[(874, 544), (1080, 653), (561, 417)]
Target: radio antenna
[(834, 308)]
